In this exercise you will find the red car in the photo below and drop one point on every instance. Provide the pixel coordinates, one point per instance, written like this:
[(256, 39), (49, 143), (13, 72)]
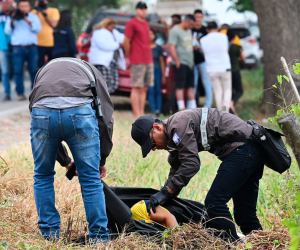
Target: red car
[(83, 45)]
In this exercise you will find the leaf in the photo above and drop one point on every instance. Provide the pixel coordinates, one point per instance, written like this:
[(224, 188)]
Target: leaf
[(274, 86), (271, 120), (279, 78), (276, 241), (286, 78), (296, 68), (166, 235), (249, 245), (280, 112)]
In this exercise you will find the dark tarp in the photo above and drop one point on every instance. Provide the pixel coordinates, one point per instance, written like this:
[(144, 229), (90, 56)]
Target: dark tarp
[(119, 200)]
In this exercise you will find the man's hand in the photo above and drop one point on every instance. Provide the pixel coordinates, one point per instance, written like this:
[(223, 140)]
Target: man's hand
[(102, 170), (27, 21), (157, 199), (178, 64)]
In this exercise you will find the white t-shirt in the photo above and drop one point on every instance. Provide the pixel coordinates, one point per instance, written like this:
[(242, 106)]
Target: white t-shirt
[(215, 48)]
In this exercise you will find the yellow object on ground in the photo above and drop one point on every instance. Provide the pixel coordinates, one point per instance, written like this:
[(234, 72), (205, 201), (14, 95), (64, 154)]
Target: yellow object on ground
[(140, 212), (236, 40)]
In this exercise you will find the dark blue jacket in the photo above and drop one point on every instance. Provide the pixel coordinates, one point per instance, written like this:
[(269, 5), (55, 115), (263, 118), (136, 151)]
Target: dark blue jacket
[(64, 42)]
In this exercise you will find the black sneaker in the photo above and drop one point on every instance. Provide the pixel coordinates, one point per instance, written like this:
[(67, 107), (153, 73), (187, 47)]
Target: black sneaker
[(7, 98)]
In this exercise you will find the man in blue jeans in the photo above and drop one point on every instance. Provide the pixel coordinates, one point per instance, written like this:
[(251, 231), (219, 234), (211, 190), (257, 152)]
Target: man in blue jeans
[(61, 111), (200, 70), (23, 28), (5, 55)]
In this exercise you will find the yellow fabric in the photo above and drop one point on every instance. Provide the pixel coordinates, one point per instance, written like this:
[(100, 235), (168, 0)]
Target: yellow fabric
[(236, 40), (45, 36), (139, 212)]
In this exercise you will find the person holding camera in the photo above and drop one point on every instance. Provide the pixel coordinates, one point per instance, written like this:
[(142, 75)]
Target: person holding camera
[(49, 18), (23, 27)]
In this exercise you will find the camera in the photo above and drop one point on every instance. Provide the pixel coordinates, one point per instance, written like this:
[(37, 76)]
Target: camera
[(19, 15), (41, 6)]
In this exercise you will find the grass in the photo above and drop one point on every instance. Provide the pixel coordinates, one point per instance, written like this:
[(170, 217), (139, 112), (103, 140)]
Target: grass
[(248, 106)]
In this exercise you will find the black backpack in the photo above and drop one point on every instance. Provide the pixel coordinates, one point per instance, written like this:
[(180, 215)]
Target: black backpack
[(277, 156)]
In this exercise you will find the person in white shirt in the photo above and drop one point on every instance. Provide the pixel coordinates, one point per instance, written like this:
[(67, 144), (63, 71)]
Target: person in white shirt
[(106, 52), (215, 49)]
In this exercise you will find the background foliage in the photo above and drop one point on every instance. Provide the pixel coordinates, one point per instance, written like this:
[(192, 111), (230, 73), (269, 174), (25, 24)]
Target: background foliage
[(82, 10)]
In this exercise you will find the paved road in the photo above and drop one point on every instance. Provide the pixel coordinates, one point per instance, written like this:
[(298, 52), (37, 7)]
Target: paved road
[(8, 109)]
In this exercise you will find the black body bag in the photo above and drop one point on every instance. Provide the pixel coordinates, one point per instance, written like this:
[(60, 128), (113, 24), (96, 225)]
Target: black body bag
[(119, 200), (277, 156)]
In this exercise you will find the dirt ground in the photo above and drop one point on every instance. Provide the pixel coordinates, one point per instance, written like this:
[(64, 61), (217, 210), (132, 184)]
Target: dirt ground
[(14, 130)]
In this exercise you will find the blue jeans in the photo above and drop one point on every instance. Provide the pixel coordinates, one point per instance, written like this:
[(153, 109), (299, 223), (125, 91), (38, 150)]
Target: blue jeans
[(5, 60), (237, 178), (200, 70), (20, 56), (154, 93), (78, 127)]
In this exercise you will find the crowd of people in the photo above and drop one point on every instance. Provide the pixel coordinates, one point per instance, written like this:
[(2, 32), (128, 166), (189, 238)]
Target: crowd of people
[(208, 53), (33, 36)]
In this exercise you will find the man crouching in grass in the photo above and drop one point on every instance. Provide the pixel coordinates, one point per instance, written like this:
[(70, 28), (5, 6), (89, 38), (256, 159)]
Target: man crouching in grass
[(187, 133)]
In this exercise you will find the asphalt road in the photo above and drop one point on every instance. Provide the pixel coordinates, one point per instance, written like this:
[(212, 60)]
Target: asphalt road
[(8, 109)]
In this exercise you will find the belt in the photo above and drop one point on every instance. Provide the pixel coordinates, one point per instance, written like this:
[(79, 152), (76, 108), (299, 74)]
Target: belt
[(24, 47)]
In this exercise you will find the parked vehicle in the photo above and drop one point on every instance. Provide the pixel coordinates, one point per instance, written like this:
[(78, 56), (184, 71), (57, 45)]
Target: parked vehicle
[(83, 45), (249, 35)]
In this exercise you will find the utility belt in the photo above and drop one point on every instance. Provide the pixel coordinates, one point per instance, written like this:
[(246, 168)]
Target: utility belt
[(277, 157)]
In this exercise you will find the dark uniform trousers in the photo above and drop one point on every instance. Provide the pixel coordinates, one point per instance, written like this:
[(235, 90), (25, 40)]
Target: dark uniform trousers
[(237, 178)]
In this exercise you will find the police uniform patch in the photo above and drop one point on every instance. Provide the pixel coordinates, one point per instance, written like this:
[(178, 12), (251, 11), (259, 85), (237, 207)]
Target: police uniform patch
[(176, 139)]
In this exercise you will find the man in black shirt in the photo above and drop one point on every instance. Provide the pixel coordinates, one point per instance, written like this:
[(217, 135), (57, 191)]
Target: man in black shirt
[(200, 67)]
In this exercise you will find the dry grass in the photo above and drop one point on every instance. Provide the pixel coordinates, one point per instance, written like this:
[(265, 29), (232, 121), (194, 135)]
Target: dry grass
[(18, 217)]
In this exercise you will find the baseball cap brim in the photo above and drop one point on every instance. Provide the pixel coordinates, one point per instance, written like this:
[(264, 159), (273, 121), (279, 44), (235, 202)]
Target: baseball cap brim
[(146, 147)]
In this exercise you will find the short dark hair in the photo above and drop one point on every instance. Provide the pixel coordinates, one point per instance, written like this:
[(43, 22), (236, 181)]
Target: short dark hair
[(225, 26), (141, 5), (231, 33), (189, 18), (198, 11), (176, 16), (212, 25), (24, 1), (154, 33)]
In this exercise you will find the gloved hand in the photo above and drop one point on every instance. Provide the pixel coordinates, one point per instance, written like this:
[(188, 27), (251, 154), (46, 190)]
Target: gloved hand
[(158, 198)]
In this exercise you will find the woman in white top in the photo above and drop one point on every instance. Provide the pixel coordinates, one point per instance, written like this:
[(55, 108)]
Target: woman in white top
[(106, 51)]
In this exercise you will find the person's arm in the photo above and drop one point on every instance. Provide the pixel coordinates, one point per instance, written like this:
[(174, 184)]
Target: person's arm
[(174, 55), (187, 156), (104, 41), (164, 217), (163, 67), (242, 56), (129, 33), (36, 25), (71, 41), (9, 26), (53, 19), (126, 45), (173, 39)]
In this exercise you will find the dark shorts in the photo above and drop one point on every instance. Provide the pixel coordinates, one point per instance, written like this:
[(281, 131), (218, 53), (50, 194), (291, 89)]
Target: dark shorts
[(184, 77)]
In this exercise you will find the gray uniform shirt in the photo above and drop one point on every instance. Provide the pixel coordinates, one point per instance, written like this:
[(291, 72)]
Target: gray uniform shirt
[(185, 141)]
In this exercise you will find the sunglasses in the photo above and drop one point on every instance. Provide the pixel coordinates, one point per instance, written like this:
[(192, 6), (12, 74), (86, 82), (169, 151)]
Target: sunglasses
[(153, 144)]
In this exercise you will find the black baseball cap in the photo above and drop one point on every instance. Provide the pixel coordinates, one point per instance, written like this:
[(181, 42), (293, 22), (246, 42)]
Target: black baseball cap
[(141, 5), (140, 133)]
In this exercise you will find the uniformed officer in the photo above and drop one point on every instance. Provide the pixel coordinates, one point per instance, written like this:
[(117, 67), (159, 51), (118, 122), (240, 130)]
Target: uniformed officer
[(185, 134), (61, 110)]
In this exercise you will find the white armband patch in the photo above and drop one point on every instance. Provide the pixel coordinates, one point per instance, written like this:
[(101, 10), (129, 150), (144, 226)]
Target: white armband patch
[(176, 139)]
